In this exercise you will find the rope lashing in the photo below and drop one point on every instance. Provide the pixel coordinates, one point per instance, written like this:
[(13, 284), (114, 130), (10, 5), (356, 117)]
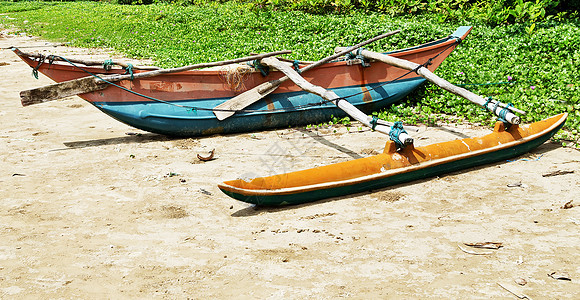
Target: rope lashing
[(296, 66), (396, 130), (51, 59), (374, 122), (425, 65), (357, 55), (265, 70), (41, 61), (129, 70), (108, 64), (35, 69), (502, 114), (494, 109), (487, 101)]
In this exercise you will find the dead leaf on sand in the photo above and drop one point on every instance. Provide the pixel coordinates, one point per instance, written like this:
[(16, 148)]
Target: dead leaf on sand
[(560, 275), (207, 158), (568, 205)]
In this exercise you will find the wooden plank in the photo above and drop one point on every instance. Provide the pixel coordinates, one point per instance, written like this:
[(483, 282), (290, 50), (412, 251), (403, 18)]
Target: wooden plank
[(350, 109), (61, 90), (245, 99)]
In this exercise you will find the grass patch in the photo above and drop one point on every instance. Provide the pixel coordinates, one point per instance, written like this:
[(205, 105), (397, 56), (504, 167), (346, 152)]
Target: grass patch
[(542, 63)]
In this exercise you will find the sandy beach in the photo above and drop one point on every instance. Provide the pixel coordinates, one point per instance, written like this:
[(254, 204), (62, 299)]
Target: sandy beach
[(92, 208)]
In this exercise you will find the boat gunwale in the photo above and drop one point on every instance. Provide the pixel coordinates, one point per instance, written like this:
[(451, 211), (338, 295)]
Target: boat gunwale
[(392, 172), (63, 66)]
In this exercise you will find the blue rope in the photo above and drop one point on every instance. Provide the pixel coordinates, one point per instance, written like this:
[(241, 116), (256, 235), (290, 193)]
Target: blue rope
[(526, 159), (108, 64), (35, 69), (296, 65), (503, 113), (396, 130), (357, 55), (374, 122), (129, 70), (265, 70), (487, 101), (495, 107)]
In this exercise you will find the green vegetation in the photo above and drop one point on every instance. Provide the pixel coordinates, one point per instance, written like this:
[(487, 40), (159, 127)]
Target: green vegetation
[(540, 55)]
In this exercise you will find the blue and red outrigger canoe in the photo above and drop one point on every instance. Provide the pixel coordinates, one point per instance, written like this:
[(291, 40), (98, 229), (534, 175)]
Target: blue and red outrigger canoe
[(179, 104)]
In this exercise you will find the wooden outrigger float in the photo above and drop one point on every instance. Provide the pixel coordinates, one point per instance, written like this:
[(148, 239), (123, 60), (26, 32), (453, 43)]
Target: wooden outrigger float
[(392, 166)]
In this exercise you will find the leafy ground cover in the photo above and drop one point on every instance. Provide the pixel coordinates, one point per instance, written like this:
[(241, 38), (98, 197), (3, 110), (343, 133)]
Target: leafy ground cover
[(536, 70)]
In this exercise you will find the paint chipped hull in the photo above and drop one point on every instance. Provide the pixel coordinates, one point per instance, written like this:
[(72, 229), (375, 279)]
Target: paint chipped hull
[(391, 167), (373, 87)]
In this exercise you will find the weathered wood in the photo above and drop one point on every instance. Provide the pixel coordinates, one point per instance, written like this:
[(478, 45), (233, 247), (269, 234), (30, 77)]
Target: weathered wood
[(61, 90), (444, 84), (350, 109), (243, 100), (92, 84)]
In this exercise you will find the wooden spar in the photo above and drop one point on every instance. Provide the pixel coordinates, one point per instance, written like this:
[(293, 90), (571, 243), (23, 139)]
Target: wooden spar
[(302, 62), (444, 84), (62, 90), (82, 61), (92, 84), (350, 109), (243, 100)]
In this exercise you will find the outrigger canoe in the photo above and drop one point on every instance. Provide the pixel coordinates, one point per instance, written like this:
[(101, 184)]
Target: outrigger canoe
[(180, 104), (393, 167)]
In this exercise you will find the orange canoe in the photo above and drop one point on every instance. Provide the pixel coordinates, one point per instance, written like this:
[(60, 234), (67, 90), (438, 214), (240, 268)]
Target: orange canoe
[(393, 167)]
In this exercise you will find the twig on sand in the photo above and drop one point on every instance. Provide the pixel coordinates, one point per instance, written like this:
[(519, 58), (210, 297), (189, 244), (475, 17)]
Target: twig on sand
[(514, 290)]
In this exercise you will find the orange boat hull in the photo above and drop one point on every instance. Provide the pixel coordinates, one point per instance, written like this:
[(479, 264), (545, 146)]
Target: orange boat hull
[(392, 167)]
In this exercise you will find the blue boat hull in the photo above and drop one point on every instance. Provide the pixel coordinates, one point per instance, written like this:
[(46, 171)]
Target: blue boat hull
[(276, 111)]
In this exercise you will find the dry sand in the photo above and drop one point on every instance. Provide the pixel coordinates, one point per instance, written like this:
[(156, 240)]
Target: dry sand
[(89, 211)]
